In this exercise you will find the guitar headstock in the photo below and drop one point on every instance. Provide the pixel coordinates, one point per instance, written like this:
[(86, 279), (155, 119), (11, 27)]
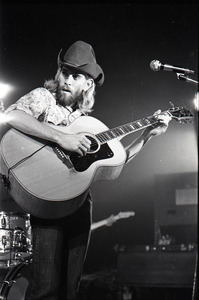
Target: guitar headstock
[(121, 215), (180, 114), (125, 214)]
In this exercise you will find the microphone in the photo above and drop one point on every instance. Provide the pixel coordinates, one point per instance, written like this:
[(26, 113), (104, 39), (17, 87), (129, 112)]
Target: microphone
[(156, 65)]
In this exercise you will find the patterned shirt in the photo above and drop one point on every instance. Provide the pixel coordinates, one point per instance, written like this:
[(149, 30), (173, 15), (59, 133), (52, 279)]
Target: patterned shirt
[(42, 105)]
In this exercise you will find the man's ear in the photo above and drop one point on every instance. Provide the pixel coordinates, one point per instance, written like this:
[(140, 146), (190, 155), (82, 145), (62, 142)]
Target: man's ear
[(89, 83)]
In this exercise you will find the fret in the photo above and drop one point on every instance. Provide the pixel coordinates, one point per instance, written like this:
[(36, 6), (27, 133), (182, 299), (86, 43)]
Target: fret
[(132, 126), (122, 130), (146, 121), (117, 131), (128, 128), (125, 129), (104, 137), (112, 133), (100, 137), (108, 136), (136, 125), (140, 124)]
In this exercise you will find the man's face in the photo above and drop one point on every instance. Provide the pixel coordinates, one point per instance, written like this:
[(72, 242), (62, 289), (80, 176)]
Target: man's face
[(70, 86)]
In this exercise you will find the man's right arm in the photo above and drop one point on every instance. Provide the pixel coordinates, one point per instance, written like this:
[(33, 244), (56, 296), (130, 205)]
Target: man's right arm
[(27, 124)]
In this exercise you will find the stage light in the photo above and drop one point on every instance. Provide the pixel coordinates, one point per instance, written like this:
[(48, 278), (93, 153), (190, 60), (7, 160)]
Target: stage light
[(3, 118), (4, 89), (196, 100)]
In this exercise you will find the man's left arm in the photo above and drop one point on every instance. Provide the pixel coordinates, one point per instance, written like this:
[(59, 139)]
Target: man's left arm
[(134, 148)]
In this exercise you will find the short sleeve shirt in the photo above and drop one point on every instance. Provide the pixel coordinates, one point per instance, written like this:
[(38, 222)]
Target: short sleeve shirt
[(41, 104)]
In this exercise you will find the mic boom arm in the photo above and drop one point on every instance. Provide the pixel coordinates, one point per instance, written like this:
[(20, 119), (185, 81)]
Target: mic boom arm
[(181, 73), (156, 65)]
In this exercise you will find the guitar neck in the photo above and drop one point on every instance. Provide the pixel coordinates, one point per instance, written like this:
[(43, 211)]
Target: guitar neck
[(99, 224), (123, 130)]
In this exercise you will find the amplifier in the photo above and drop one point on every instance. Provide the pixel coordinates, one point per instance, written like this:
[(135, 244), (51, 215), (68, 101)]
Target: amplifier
[(151, 266)]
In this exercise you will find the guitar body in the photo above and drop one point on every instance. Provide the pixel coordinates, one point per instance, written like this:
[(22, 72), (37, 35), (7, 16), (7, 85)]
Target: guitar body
[(47, 185), (49, 182)]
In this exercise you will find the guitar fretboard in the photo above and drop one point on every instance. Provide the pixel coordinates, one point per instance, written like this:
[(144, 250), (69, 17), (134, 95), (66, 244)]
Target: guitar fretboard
[(126, 129)]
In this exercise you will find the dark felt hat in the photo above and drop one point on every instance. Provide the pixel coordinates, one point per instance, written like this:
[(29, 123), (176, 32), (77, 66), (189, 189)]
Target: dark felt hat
[(81, 56)]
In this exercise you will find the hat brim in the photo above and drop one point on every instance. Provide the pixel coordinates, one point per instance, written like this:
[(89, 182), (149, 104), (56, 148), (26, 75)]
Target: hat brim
[(92, 69)]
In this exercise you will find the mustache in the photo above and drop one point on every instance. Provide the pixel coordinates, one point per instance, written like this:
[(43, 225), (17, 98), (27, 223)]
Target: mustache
[(64, 88), (73, 98)]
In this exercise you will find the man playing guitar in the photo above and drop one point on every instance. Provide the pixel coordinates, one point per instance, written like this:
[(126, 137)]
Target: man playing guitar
[(60, 243)]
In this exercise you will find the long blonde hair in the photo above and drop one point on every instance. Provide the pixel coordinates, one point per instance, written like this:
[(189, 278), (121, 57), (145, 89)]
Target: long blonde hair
[(88, 98)]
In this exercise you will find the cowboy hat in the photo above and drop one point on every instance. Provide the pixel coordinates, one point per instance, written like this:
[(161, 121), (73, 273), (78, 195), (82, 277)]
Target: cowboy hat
[(81, 56)]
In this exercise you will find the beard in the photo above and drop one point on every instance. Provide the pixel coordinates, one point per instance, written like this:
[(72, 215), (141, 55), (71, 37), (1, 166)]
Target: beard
[(68, 98)]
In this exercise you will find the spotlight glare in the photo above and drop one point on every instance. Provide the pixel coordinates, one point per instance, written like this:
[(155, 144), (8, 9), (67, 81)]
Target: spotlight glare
[(4, 89), (3, 118), (196, 100)]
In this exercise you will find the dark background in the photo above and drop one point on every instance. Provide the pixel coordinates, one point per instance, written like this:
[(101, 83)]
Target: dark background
[(126, 37)]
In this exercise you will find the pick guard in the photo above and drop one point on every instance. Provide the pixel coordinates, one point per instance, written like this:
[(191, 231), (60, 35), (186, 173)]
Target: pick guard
[(82, 163)]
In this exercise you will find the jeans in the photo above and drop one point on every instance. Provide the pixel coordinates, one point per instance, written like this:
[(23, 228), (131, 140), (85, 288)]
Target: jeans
[(59, 251)]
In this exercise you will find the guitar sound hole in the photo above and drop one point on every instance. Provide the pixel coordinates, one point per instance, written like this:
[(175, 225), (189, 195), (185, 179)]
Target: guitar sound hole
[(94, 144)]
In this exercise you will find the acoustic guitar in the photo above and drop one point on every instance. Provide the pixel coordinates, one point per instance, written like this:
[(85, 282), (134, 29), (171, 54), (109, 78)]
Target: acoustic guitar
[(49, 182)]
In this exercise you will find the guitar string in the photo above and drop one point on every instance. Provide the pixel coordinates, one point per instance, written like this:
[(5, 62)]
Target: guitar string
[(25, 158), (104, 135), (127, 128), (152, 121)]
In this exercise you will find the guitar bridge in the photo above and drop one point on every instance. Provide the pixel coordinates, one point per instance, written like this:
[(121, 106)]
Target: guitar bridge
[(82, 163), (65, 158)]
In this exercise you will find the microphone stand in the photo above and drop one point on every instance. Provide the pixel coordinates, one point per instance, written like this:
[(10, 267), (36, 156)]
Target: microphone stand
[(184, 77)]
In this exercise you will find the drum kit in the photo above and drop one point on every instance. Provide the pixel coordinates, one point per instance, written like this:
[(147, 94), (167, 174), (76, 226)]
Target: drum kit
[(15, 247)]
